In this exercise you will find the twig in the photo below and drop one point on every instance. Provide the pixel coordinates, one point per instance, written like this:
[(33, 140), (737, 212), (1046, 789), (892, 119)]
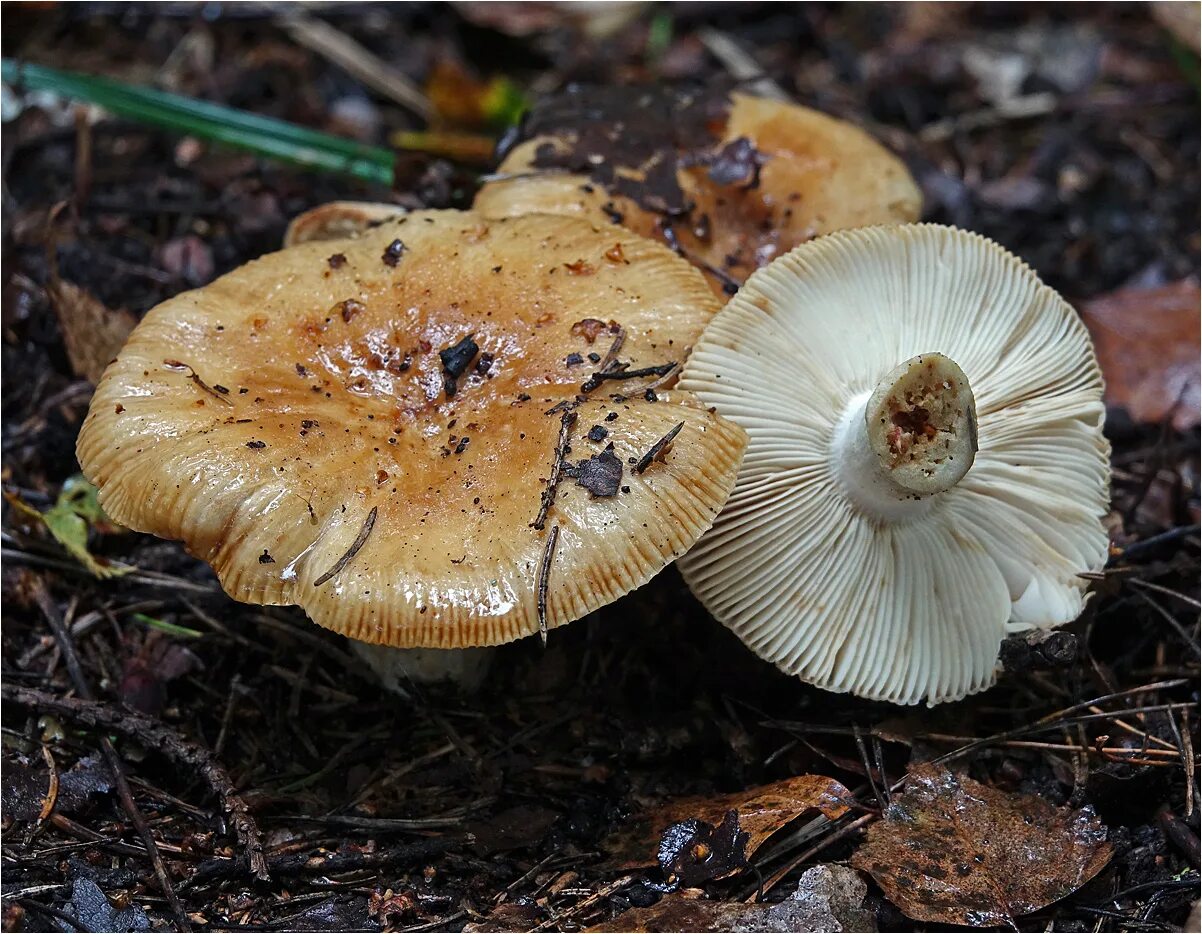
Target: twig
[(1146, 737), (611, 355), (359, 62), (817, 848), (1177, 626), (603, 892), (544, 574), (180, 366), (156, 735), (1117, 753), (1018, 108), (621, 373), (304, 864), (75, 670), (55, 913), (665, 379), (1148, 585), (657, 449), (352, 551), (1186, 744), (52, 789), (566, 421), (228, 716), (1135, 549), (741, 65)]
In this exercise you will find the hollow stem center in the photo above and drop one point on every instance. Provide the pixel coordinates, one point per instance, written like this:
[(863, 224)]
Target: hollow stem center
[(913, 436)]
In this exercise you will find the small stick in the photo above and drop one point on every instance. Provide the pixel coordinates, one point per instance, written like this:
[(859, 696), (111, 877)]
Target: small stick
[(621, 373), (195, 377), (155, 735), (817, 848), (656, 449), (353, 550), (75, 670), (52, 789), (544, 574), (566, 421), (666, 378), (611, 357)]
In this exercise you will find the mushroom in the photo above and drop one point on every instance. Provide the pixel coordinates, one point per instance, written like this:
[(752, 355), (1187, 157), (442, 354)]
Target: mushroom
[(370, 428), (337, 220), (926, 470), (729, 181)]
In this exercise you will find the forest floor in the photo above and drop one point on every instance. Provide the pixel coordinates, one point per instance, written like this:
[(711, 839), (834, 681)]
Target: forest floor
[(1070, 135)]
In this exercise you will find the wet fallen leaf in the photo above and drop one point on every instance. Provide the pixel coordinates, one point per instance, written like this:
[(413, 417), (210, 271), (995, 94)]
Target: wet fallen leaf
[(1147, 344), (828, 898), (761, 811), (92, 332), (953, 851), (95, 912), (69, 519), (695, 851), (24, 787)]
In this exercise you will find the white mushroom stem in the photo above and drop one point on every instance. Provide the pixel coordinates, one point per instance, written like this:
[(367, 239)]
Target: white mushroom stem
[(398, 669), (911, 438)]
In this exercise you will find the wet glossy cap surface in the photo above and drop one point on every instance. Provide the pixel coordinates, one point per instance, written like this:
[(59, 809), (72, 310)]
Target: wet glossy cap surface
[(359, 426)]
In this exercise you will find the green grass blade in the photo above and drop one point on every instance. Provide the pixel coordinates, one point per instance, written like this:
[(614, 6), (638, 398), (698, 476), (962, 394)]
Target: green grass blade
[(264, 136)]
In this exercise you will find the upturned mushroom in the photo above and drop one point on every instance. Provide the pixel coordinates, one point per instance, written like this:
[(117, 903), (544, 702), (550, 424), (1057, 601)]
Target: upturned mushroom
[(730, 181), (926, 470), (443, 433)]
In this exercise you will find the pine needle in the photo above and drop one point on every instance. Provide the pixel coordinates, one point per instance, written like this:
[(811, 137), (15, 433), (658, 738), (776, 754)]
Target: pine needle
[(264, 136)]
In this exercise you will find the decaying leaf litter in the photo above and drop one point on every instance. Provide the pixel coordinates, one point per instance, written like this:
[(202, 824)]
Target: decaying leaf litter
[(1072, 141)]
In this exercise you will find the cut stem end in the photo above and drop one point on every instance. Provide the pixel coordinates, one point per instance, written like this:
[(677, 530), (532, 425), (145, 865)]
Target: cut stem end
[(921, 422)]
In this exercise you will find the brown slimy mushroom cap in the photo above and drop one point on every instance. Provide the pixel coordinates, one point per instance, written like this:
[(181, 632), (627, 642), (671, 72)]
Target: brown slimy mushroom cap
[(367, 427), (926, 470), (731, 181)]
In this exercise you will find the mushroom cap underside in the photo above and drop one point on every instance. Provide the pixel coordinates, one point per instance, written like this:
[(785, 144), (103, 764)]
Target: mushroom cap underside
[(291, 424), (915, 609)]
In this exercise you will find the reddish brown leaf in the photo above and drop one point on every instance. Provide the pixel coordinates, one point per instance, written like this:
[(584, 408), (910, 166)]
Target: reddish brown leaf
[(761, 812), (954, 851), (1147, 344), (92, 333)]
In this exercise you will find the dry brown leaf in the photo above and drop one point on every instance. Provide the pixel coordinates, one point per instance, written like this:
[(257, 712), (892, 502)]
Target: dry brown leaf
[(1147, 344), (828, 898), (761, 811), (953, 851), (92, 332)]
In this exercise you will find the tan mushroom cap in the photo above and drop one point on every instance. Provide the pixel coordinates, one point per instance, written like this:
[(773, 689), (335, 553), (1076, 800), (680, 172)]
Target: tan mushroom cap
[(818, 174), (296, 407)]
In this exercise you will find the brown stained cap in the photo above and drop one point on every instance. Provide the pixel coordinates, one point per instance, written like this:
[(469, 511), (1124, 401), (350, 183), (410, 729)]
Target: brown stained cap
[(294, 425), (731, 181)]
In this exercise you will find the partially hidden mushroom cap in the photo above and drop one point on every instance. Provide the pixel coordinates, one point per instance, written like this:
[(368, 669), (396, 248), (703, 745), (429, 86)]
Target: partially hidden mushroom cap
[(338, 220), (367, 427), (926, 470), (731, 181)]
